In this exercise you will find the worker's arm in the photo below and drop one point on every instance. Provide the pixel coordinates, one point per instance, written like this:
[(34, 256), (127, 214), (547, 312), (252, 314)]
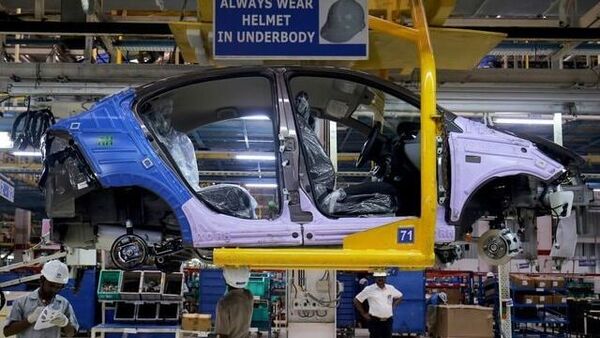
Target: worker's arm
[(361, 309), (396, 297), (16, 327), (73, 326), (17, 319)]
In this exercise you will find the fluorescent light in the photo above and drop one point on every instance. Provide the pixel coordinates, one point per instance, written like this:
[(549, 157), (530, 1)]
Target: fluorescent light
[(256, 118), (27, 153), (5, 141), (507, 120), (255, 157), (261, 185)]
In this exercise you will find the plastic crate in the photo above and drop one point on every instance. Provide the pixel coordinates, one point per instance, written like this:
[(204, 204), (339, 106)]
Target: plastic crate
[(168, 311), (152, 285), (260, 313), (125, 311), (258, 286), (147, 311), (109, 284), (130, 285), (173, 288)]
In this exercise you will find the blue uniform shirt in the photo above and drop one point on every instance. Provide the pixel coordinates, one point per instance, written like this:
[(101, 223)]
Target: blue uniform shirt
[(25, 305)]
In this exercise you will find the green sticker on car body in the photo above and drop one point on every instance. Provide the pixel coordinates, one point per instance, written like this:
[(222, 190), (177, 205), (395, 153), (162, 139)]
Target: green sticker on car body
[(105, 141)]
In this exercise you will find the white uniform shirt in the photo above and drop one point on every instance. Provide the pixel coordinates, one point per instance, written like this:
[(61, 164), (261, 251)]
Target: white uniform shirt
[(380, 300)]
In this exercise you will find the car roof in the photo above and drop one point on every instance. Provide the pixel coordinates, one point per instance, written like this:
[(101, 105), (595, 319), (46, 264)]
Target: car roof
[(165, 84)]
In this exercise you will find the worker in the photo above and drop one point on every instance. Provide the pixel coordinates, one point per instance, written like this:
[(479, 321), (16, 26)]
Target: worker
[(490, 290), (234, 310), (26, 311), (383, 298), (437, 298)]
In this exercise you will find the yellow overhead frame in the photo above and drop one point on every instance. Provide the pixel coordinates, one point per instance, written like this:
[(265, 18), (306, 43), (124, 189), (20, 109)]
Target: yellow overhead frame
[(377, 247)]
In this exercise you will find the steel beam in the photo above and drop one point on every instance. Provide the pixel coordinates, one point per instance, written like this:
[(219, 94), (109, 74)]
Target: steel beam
[(39, 10), (80, 29), (566, 49), (591, 18), (493, 22), (143, 73), (539, 33)]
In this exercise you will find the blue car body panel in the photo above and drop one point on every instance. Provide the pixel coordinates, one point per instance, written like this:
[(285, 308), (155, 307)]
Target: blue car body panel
[(112, 141)]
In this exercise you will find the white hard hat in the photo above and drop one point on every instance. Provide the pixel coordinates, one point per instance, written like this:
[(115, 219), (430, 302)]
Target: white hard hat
[(380, 274), (443, 297), (56, 272), (490, 275), (236, 277)]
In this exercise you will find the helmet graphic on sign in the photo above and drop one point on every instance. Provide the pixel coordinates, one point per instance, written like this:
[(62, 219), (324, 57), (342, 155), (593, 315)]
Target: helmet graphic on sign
[(344, 20)]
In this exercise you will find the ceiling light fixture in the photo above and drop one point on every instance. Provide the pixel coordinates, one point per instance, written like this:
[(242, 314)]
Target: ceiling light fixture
[(255, 157), (5, 141), (261, 185), (256, 118), (27, 153), (506, 120)]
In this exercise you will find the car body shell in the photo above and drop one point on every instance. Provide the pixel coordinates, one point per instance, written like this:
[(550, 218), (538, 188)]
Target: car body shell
[(121, 151)]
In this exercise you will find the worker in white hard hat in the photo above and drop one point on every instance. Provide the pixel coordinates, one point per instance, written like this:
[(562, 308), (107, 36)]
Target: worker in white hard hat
[(432, 303), (234, 310), (383, 298), (43, 313), (490, 290)]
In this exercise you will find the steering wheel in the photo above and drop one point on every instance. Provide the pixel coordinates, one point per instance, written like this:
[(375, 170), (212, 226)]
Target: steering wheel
[(407, 130), (368, 148)]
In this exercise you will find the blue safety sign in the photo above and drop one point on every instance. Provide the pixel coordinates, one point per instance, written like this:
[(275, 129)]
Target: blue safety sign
[(406, 235), (291, 29), (7, 190), (587, 262)]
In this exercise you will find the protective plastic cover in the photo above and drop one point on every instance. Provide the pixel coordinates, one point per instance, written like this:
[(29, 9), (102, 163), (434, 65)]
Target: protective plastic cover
[(179, 144), (322, 175), (230, 199), (339, 203), (318, 164)]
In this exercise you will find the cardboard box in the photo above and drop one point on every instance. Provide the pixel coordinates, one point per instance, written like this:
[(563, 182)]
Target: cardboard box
[(548, 282), (535, 299), (521, 280), (203, 323), (451, 319), (196, 322), (527, 299), (543, 300), (556, 282), (559, 299), (541, 282)]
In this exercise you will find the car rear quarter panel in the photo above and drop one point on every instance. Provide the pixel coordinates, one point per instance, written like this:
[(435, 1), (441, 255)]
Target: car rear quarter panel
[(114, 145)]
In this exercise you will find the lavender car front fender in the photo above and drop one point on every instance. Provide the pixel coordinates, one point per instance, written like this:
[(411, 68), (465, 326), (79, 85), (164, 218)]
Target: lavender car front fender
[(479, 154)]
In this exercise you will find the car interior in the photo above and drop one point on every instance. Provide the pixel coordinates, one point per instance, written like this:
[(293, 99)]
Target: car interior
[(180, 118), (175, 116), (392, 148)]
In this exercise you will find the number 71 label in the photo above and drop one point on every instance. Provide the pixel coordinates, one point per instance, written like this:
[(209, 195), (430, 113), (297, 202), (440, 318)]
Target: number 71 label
[(406, 235)]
